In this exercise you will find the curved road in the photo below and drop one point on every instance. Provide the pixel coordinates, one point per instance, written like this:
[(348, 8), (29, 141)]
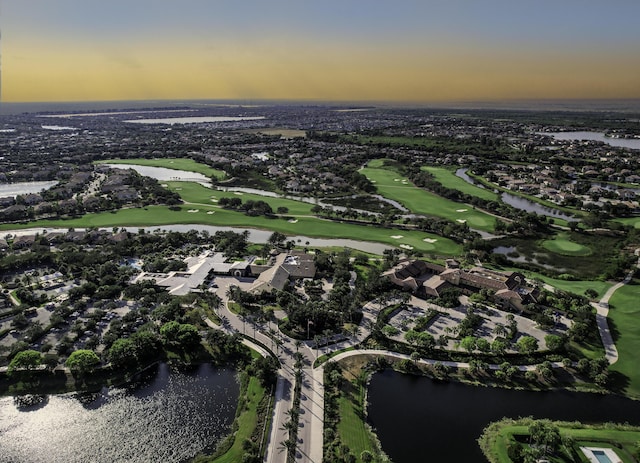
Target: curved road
[(311, 413), (602, 311)]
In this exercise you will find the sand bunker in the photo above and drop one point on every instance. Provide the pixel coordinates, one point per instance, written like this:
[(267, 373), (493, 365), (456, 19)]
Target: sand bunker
[(292, 220), (429, 240), (406, 246), (193, 210), (461, 210), (211, 212), (239, 193), (397, 237), (460, 220)]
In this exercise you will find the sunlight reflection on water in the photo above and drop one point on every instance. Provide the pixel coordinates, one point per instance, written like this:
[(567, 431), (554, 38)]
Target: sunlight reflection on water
[(170, 419)]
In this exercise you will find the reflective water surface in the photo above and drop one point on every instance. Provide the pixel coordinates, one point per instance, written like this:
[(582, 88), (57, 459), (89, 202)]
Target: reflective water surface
[(169, 416), (418, 419)]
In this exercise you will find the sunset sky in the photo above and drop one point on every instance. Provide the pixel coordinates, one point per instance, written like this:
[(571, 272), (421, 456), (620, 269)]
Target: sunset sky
[(350, 50)]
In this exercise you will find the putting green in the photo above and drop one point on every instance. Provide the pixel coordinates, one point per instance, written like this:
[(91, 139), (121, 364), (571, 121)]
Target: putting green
[(561, 244)]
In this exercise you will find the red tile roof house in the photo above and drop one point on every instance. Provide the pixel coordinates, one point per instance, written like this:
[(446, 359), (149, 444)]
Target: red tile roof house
[(426, 279)]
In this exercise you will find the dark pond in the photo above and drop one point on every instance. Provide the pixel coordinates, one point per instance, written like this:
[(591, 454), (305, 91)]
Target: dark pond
[(518, 201), (418, 419), (531, 206), (167, 416)]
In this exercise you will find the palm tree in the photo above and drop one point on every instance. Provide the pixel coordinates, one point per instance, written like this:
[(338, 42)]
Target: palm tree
[(500, 330), (288, 445), (288, 426)]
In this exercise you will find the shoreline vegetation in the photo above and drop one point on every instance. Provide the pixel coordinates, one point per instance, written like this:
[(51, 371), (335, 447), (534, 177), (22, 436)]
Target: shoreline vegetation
[(511, 440), (347, 380), (253, 411), (185, 164)]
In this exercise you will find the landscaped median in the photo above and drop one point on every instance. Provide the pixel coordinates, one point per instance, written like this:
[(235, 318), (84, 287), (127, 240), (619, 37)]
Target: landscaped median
[(512, 441)]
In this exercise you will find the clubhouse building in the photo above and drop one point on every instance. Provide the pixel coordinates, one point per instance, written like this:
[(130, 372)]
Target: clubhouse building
[(508, 289)]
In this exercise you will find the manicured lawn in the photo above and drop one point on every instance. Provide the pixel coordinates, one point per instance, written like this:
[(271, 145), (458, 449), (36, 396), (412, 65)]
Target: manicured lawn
[(193, 192), (246, 423), (576, 287), (351, 427), (172, 163), (584, 437), (392, 185), (562, 244), (625, 316), (213, 215), (449, 179), (632, 221)]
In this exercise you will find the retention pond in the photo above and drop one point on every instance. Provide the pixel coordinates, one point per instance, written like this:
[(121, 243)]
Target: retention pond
[(167, 416), (416, 416)]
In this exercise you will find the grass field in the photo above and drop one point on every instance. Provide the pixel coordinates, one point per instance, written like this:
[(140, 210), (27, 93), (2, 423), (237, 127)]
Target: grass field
[(285, 133), (576, 287), (202, 213), (172, 163), (192, 192), (592, 436), (246, 423), (451, 180), (624, 316), (632, 221), (392, 185), (562, 244)]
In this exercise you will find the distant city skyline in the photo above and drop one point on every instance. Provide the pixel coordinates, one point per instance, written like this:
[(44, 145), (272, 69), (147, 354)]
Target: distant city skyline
[(404, 51)]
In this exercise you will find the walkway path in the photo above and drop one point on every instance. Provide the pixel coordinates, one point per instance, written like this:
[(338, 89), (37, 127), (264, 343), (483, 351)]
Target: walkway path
[(602, 311)]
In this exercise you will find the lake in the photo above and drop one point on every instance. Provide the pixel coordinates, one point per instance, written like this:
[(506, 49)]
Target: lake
[(531, 206), (419, 419), (194, 120), (167, 416), (23, 188), (166, 175), (632, 143), (518, 201)]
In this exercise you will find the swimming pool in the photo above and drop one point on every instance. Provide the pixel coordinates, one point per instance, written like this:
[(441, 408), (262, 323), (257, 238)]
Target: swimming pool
[(601, 456)]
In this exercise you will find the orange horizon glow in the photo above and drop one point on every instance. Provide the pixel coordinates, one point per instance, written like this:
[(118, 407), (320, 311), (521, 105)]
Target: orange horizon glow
[(278, 67)]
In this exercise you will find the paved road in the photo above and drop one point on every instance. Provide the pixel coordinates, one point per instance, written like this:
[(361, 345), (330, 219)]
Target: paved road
[(311, 413), (311, 422), (602, 311)]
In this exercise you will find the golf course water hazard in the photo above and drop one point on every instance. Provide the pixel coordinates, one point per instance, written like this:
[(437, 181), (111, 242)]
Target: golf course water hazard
[(168, 416), (415, 416)]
